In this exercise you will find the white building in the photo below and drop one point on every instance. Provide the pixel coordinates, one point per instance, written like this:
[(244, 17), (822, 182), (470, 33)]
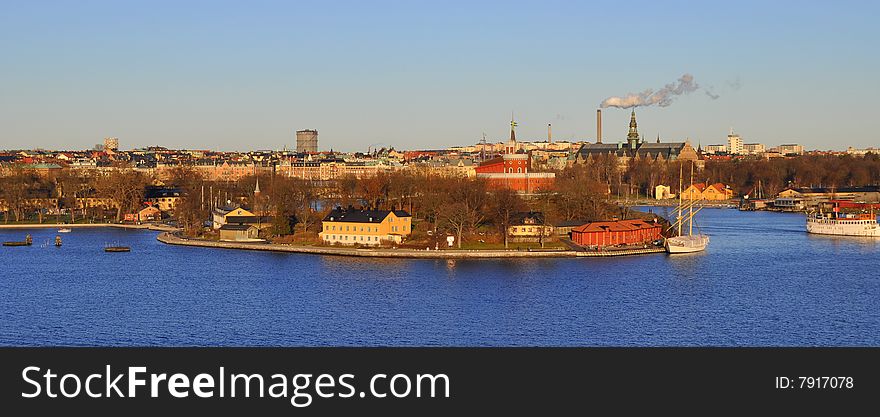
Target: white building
[(754, 148), (734, 143), (862, 152), (713, 149), (790, 149)]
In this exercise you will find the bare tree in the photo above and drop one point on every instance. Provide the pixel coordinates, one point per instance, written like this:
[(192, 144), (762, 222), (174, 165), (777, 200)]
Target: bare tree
[(505, 204), (124, 187)]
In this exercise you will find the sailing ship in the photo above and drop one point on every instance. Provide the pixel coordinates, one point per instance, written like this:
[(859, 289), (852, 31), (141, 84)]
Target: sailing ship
[(843, 224), (690, 242)]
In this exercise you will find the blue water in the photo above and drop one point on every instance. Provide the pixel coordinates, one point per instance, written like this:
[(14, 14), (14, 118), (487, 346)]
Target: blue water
[(763, 282)]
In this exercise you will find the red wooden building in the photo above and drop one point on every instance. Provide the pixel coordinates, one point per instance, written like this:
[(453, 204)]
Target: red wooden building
[(626, 232)]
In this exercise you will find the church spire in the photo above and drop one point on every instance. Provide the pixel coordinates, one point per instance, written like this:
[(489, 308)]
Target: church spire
[(633, 137), (511, 144), (257, 188)]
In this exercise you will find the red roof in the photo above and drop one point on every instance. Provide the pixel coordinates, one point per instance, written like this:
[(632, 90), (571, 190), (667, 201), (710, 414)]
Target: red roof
[(614, 226)]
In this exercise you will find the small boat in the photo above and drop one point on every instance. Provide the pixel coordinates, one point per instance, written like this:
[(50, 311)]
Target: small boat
[(58, 241), (64, 230), (28, 240), (117, 249)]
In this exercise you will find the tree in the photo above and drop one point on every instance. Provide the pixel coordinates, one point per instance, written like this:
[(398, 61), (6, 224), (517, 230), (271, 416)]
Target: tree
[(191, 209), (457, 217), (125, 187), (505, 204)]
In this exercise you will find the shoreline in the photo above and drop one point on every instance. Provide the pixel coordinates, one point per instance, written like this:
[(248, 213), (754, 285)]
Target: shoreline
[(156, 227), (171, 239)]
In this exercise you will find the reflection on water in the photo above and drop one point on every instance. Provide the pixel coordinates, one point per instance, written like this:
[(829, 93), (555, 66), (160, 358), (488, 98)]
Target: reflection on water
[(762, 281)]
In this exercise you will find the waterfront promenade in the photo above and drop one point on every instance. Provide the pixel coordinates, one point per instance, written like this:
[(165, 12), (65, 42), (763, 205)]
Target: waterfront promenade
[(173, 239)]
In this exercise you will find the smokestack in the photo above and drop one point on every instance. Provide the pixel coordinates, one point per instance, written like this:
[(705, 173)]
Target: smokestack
[(549, 133), (598, 125)]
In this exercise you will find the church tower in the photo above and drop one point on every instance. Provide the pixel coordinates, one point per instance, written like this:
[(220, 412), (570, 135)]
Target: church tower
[(633, 137), (511, 144)]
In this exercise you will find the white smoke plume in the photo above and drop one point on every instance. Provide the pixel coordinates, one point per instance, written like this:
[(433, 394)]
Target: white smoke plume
[(662, 97)]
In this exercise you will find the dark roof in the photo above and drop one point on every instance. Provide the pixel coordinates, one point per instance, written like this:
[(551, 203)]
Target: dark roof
[(361, 216), (829, 190), (238, 227), (527, 217), (668, 150), (248, 219), (159, 192)]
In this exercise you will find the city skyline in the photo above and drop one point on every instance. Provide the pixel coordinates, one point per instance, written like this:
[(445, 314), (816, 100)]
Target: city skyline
[(240, 77)]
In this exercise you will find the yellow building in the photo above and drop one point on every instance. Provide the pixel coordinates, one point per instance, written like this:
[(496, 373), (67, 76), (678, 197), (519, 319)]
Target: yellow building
[(220, 215), (365, 227), (528, 227), (713, 192)]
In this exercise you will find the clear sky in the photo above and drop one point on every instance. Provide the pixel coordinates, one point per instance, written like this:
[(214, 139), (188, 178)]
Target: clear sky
[(243, 75)]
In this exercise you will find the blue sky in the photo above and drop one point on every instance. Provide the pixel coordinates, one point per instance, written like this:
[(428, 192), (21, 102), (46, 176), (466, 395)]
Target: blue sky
[(245, 75)]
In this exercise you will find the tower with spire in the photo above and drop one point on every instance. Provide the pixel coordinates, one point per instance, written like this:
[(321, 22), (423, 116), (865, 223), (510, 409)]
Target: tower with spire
[(632, 138), (511, 144)]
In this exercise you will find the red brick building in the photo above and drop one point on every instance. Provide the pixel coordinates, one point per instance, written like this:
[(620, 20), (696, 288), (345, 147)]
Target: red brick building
[(626, 232), (511, 170)]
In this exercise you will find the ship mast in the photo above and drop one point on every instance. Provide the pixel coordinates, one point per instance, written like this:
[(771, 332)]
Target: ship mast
[(691, 213), (680, 178)]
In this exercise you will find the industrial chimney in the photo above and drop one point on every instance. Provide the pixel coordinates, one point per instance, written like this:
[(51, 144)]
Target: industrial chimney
[(549, 133), (598, 125)]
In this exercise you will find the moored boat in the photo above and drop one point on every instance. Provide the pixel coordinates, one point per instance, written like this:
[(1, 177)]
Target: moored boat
[(689, 242), (64, 230), (843, 224), (117, 249)]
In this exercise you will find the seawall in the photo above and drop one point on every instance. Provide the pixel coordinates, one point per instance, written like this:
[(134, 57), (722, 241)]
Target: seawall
[(172, 239)]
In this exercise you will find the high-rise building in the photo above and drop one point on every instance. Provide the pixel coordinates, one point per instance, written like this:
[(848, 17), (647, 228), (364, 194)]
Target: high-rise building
[(307, 141), (111, 144), (734, 143)]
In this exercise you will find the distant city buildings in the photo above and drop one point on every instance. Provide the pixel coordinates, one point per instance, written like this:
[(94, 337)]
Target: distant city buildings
[(715, 149), (636, 148), (754, 148), (111, 144), (789, 149), (862, 152)]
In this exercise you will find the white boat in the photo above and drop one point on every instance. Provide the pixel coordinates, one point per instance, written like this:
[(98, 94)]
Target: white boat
[(843, 224), (687, 243), (64, 230), (690, 242)]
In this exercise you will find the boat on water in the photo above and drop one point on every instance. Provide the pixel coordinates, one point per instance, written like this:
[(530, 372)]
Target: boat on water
[(689, 242), (117, 249), (839, 223), (64, 230), (28, 241)]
